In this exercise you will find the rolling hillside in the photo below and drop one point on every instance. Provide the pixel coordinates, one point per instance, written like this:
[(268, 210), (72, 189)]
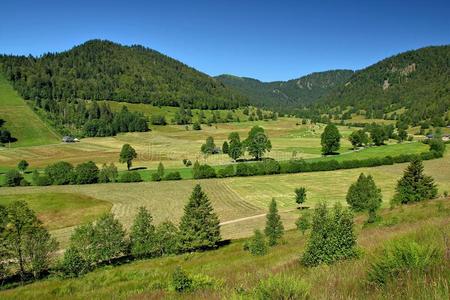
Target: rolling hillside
[(287, 94), (103, 70), (21, 121), (417, 80)]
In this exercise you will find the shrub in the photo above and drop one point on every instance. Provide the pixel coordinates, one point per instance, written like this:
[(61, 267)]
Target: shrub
[(281, 287), (13, 178), (257, 245), (196, 126), (402, 257), (156, 177), (108, 173), (132, 176), (73, 264), (173, 176), (332, 237), (437, 145), (203, 171), (181, 282), (228, 171), (86, 173), (60, 173)]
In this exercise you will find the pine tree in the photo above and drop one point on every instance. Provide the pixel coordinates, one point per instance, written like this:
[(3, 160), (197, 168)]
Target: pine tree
[(199, 226), (274, 227), (414, 186), (142, 235)]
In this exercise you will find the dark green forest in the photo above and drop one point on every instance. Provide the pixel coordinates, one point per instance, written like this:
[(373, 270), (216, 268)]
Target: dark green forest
[(284, 95), (103, 70)]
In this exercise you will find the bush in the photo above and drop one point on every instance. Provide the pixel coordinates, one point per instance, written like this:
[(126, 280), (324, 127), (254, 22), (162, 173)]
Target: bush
[(437, 145), (108, 173), (203, 171), (86, 173), (196, 126), (281, 287), (60, 173), (13, 178), (402, 257), (42, 180), (73, 264), (156, 177), (132, 176), (228, 171), (181, 282), (257, 245), (173, 176), (332, 237)]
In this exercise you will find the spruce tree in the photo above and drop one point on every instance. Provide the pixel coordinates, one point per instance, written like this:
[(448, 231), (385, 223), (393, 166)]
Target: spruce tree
[(199, 226), (142, 235), (414, 185), (274, 227)]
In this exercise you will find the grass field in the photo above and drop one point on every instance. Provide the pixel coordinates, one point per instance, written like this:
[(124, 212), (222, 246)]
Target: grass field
[(21, 121), (171, 144), (234, 273), (60, 210), (240, 197)]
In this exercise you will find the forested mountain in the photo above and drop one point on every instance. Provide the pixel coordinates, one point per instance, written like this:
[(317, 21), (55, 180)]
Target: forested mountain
[(417, 80), (284, 95), (103, 70)]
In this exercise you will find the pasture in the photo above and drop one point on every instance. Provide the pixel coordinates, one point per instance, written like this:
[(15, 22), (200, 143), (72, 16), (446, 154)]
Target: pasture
[(240, 202), (21, 121)]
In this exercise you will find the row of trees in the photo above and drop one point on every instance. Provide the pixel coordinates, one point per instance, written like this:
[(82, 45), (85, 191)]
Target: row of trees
[(256, 144), (106, 239)]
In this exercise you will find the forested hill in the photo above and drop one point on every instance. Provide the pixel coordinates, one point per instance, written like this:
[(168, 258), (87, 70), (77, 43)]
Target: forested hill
[(417, 80), (103, 70), (287, 94)]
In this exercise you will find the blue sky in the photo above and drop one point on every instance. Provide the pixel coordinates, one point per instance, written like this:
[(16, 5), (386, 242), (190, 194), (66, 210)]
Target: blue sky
[(267, 40)]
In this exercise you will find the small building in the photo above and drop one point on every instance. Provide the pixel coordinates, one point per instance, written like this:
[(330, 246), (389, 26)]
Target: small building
[(68, 139)]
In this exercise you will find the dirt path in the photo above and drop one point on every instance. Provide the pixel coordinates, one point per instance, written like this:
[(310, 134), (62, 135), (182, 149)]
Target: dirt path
[(251, 217)]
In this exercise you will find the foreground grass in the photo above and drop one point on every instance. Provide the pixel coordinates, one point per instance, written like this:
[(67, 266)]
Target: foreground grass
[(21, 121), (234, 273), (60, 210)]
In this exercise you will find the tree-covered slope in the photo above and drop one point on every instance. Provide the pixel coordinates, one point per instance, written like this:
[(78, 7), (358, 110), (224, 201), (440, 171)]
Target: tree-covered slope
[(417, 80), (103, 70), (287, 94)]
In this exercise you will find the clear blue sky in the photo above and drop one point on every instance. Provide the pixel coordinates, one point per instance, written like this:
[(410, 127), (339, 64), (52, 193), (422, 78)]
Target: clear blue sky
[(268, 40)]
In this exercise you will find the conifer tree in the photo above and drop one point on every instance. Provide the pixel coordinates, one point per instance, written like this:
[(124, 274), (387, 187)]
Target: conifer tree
[(199, 226), (274, 227), (142, 236), (414, 185)]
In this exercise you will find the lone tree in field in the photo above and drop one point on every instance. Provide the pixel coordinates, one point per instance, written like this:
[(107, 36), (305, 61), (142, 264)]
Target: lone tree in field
[(330, 139), (199, 226), (142, 235), (414, 186), (160, 170), (332, 237), (257, 142), (364, 195), (274, 227), (235, 149), (22, 166), (127, 154), (300, 195)]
